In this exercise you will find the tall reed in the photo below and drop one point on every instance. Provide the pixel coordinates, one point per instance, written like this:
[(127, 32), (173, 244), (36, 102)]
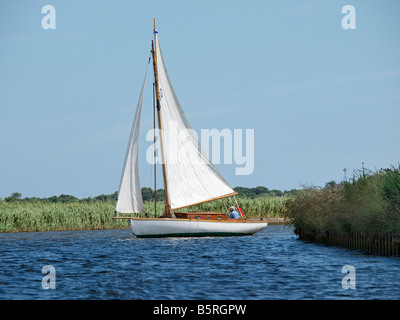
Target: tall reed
[(19, 216), (369, 204), (257, 208)]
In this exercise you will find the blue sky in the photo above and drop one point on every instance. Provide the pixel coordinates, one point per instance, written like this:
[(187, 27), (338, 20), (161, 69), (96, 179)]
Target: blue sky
[(320, 98)]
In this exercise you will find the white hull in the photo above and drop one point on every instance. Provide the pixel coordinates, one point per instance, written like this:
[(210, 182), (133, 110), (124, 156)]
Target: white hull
[(164, 227)]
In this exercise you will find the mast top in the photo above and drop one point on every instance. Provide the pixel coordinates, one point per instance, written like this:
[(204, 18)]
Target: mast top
[(155, 29)]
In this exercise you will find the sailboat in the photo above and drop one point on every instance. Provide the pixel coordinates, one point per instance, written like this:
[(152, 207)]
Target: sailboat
[(189, 176)]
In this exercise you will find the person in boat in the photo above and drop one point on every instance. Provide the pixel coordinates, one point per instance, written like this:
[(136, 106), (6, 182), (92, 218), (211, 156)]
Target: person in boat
[(234, 214)]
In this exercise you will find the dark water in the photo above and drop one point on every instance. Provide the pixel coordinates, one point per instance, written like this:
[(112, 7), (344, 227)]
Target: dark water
[(113, 264)]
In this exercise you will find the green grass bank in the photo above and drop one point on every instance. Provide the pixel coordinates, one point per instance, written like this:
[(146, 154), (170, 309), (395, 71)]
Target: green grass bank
[(26, 216)]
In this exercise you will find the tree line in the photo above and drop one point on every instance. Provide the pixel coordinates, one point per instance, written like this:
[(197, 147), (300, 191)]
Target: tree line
[(148, 195)]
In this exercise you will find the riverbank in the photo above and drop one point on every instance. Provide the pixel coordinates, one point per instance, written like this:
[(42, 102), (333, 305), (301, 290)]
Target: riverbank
[(31, 216), (362, 214)]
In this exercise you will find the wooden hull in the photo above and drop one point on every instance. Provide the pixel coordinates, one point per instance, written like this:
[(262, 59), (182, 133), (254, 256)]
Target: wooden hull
[(164, 227)]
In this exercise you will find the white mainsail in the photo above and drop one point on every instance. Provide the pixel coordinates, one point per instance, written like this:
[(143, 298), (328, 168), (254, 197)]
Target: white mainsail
[(191, 177), (129, 195)]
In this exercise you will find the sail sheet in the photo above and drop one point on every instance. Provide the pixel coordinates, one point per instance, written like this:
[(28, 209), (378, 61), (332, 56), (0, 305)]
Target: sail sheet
[(130, 196), (191, 177)]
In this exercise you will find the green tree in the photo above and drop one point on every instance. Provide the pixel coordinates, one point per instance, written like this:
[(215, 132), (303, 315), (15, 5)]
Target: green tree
[(147, 194), (13, 197), (330, 184)]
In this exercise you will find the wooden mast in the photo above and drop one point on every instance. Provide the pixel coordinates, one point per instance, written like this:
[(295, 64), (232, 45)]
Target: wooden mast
[(154, 150), (154, 52)]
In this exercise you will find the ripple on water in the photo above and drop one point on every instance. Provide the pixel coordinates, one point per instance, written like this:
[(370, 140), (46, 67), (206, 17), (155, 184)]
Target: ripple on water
[(113, 264)]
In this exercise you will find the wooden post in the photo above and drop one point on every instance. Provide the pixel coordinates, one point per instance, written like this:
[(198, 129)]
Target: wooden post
[(385, 245), (364, 243), (379, 245), (357, 242)]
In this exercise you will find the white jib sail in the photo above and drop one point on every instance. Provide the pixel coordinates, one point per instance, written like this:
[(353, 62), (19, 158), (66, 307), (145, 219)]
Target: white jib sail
[(129, 195), (191, 177)]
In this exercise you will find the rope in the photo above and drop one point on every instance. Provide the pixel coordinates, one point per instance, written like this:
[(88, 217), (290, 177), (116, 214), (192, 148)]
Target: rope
[(237, 205)]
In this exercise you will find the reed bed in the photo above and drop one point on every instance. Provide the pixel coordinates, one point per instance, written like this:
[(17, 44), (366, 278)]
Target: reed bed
[(24, 216), (258, 208), (18, 216), (369, 205)]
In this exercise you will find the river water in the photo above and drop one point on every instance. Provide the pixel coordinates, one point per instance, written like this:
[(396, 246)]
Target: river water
[(113, 264)]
